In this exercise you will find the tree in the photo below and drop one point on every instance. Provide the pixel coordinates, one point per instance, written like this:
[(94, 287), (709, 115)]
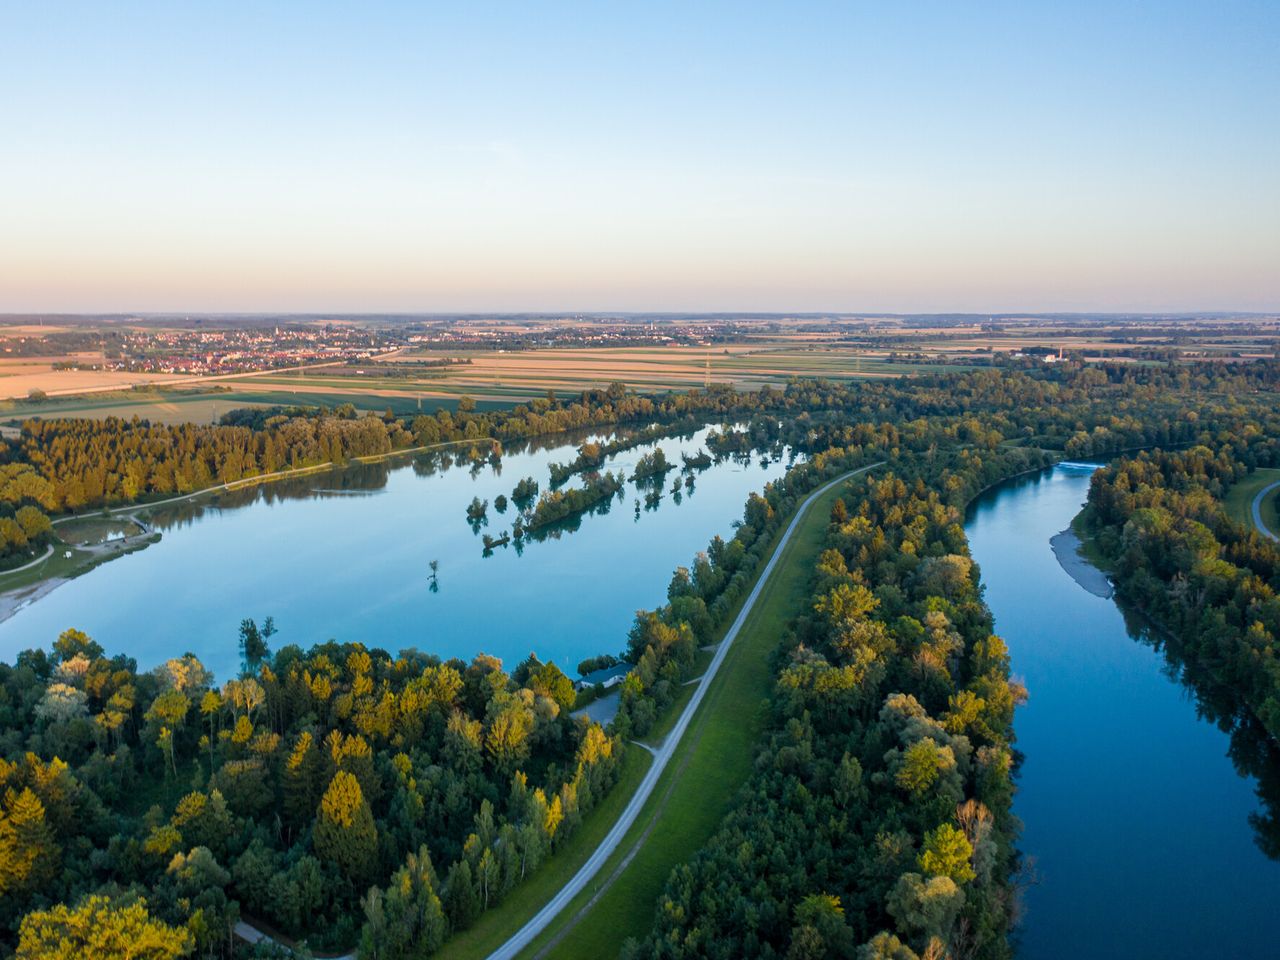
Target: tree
[(947, 853), (344, 832), (548, 680), (407, 919), (461, 901), (34, 523), (28, 853), (507, 739), (821, 932), (62, 703), (97, 928), (73, 642), (169, 713), (302, 780)]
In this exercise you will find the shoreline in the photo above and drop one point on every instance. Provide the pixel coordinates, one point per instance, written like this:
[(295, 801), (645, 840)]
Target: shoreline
[(19, 598), (1066, 548)]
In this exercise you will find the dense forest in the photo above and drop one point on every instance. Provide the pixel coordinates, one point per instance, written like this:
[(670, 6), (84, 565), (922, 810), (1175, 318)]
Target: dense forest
[(879, 813), (355, 795), (293, 793)]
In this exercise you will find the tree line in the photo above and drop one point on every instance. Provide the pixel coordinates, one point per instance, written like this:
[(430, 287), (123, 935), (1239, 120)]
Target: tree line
[(878, 819)]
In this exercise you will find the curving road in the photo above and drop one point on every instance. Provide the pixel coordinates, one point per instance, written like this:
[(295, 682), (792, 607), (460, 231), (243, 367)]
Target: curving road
[(27, 566), (1257, 510), (662, 756)]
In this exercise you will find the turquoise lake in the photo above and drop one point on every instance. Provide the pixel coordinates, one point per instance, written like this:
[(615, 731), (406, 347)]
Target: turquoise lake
[(345, 555)]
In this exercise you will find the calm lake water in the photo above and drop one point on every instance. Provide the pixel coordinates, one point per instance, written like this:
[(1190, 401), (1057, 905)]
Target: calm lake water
[(345, 555), (1146, 840)]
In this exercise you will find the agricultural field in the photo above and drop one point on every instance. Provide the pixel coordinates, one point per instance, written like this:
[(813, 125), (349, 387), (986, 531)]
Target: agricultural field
[(161, 406), (513, 377), (432, 363), (19, 377)]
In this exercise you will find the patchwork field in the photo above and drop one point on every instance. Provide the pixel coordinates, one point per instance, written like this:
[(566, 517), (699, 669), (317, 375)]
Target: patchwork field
[(505, 377), (19, 377)]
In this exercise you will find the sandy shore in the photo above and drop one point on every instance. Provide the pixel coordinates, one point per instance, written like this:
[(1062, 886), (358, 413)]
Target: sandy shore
[(11, 601), (1066, 547)]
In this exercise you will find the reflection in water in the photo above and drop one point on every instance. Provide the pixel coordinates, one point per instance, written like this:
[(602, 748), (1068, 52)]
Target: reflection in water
[(1254, 754), (1147, 841), (346, 554)]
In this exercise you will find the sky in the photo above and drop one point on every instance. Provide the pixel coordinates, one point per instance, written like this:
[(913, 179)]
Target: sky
[(424, 157)]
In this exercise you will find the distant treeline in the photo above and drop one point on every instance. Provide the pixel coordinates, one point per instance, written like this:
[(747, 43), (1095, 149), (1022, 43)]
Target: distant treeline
[(88, 463)]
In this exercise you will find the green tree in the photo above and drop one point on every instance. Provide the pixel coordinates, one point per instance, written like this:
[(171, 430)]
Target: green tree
[(406, 921), (947, 853), (462, 903), (344, 832)]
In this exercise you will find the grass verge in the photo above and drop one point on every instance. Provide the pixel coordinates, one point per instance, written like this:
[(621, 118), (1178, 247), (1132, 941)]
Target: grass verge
[(1239, 500), (701, 783), (495, 927)]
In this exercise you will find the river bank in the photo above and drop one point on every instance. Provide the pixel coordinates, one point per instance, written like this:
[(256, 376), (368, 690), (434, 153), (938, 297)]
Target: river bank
[(1066, 547), (1117, 759), (64, 562)]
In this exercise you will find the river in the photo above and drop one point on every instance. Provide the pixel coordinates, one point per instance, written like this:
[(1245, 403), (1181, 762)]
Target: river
[(1144, 838), (345, 555)]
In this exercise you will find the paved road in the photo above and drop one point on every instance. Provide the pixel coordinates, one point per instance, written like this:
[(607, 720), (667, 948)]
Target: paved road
[(662, 756), (1257, 510)]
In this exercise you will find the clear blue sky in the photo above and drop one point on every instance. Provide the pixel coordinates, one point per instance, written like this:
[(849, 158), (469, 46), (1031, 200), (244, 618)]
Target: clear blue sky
[(677, 156)]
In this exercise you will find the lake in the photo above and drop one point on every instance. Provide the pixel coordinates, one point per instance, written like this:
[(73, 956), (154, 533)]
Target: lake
[(345, 555), (1145, 839)]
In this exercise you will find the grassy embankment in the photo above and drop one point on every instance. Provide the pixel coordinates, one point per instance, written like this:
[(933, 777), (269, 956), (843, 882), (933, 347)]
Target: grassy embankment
[(707, 786), (1239, 500), (495, 926), (702, 780)]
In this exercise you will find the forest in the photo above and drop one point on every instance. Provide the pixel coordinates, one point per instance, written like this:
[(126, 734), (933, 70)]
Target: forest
[(354, 795), (303, 792), (879, 817)]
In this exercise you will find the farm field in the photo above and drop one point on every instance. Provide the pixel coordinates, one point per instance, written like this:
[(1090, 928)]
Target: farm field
[(521, 375), (160, 406), (19, 377)]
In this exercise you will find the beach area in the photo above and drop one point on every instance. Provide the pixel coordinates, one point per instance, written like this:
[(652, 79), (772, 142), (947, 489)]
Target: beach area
[(1066, 547)]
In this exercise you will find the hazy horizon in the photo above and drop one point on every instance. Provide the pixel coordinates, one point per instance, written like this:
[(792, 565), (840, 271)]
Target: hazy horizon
[(1099, 158)]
